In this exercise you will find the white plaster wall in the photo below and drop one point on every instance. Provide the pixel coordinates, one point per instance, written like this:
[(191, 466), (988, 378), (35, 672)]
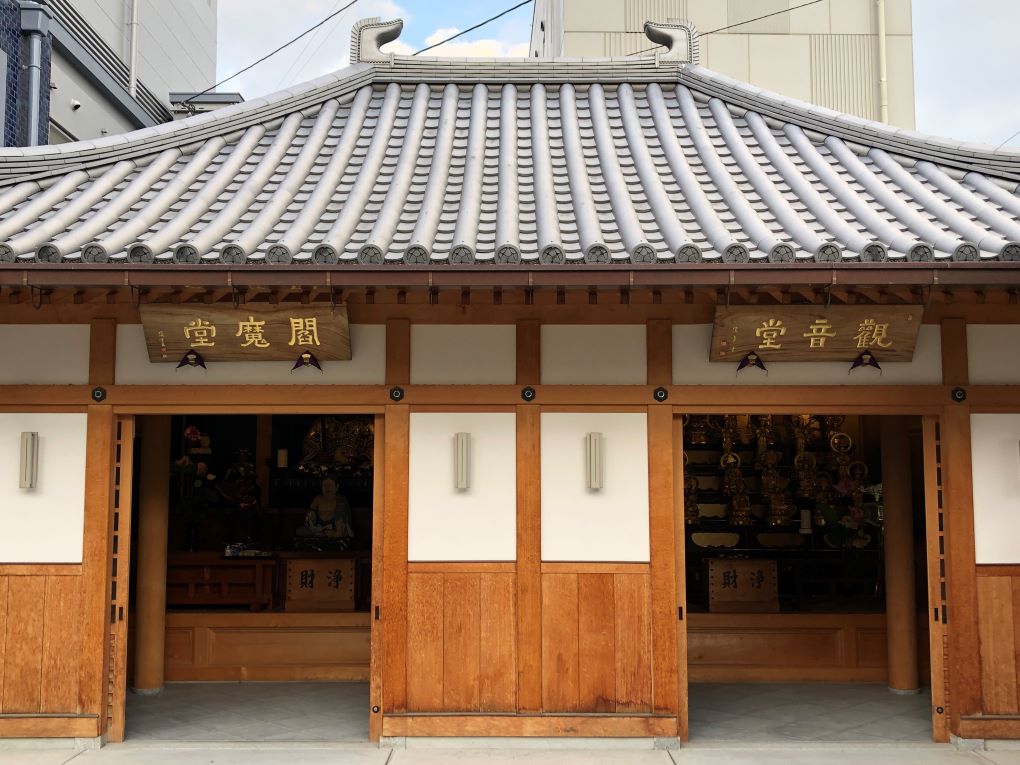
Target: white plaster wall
[(993, 354), (691, 343), (995, 444), (463, 354), (479, 523), (579, 524), (45, 524), (603, 354), (44, 354), (367, 367)]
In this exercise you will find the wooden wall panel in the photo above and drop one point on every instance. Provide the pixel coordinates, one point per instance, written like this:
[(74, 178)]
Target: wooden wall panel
[(461, 639), (633, 644), (560, 668), (61, 624), (497, 687), (425, 642), (996, 627), (596, 640), (529, 561), (596, 643), (23, 657), (462, 635)]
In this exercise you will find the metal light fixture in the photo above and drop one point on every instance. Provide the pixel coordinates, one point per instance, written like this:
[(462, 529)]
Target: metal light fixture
[(595, 458), (462, 461), (28, 475)]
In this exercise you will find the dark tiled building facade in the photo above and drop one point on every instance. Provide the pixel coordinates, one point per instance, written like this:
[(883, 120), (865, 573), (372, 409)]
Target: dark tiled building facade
[(14, 45)]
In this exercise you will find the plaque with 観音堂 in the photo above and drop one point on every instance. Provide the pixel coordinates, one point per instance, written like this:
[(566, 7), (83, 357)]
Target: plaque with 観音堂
[(815, 333), (252, 332)]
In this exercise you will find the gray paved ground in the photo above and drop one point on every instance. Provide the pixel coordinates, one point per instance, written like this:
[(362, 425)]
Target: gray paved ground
[(354, 754)]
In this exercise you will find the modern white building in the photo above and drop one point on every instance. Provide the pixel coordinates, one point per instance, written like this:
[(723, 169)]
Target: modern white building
[(831, 53), (101, 67)]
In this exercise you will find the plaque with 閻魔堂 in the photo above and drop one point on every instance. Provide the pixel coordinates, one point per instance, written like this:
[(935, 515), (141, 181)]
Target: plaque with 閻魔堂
[(815, 333), (252, 332)]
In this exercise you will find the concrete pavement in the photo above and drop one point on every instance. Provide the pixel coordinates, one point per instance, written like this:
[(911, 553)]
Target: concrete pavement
[(364, 754)]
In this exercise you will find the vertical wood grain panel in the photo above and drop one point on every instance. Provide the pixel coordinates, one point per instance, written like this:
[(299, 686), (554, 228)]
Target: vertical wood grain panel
[(461, 638), (529, 352), (529, 562), (425, 642), (935, 553), (662, 563), (3, 634), (61, 623), (102, 351), (559, 643), (497, 671), (394, 610), (683, 708), (633, 644), (955, 362), (596, 643), (659, 338), (1015, 585), (398, 351), (965, 667), (998, 646), (92, 642), (375, 684), (26, 603)]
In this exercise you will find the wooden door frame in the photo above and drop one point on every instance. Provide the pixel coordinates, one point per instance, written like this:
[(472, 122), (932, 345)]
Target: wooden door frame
[(118, 661), (941, 679)]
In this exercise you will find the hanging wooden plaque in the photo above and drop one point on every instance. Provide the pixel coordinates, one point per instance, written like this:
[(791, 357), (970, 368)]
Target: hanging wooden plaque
[(815, 333), (252, 332), (319, 584)]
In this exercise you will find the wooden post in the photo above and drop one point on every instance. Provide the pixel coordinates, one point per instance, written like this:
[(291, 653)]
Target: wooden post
[(900, 605), (153, 516)]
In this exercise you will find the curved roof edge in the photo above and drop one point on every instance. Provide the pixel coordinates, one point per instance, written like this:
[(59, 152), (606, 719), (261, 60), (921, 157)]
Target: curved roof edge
[(38, 163)]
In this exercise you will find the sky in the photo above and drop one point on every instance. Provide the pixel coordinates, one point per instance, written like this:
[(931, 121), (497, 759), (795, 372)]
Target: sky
[(966, 83)]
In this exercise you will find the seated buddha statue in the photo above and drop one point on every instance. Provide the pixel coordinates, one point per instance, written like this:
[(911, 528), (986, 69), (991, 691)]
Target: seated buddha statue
[(330, 516)]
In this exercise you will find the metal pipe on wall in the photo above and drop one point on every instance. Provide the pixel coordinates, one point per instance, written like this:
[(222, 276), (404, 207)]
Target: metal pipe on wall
[(883, 79), (34, 83), (133, 50)]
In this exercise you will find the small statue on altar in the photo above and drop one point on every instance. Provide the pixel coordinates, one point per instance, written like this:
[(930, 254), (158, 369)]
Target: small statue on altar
[(330, 516)]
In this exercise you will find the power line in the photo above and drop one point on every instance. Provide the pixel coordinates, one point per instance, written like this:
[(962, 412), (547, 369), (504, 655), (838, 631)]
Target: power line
[(476, 26), (304, 49), (738, 24), (271, 53)]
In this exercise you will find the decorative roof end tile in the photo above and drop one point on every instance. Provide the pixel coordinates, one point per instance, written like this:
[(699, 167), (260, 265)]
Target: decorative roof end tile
[(680, 37), (369, 35)]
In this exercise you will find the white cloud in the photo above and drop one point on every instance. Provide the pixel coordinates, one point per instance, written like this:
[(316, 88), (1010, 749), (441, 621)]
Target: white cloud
[(488, 48)]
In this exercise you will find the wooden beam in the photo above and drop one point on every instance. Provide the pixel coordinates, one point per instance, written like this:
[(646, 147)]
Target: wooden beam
[(662, 559), (529, 560), (102, 351), (94, 646), (150, 577), (529, 352), (394, 561), (659, 341), (398, 352), (965, 690), (683, 677), (955, 367), (375, 685), (614, 726)]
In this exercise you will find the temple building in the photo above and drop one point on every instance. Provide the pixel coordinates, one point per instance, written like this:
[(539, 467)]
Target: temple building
[(536, 397)]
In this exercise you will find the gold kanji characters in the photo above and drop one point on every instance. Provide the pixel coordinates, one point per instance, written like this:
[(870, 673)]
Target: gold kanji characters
[(253, 333), (770, 331), (871, 334), (200, 333), (304, 331), (818, 332)]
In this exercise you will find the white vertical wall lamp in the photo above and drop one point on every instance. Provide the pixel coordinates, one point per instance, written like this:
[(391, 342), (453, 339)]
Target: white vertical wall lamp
[(594, 448), (28, 475), (462, 461)]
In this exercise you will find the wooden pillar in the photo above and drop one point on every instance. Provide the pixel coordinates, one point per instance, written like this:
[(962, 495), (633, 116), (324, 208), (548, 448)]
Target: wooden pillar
[(900, 605), (153, 515)]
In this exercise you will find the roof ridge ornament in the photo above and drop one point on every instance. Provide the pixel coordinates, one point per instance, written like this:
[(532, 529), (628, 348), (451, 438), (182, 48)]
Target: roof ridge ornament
[(680, 37), (369, 35)]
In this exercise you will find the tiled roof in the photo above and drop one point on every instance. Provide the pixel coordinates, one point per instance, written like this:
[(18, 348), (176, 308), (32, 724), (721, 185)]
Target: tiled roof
[(408, 160)]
